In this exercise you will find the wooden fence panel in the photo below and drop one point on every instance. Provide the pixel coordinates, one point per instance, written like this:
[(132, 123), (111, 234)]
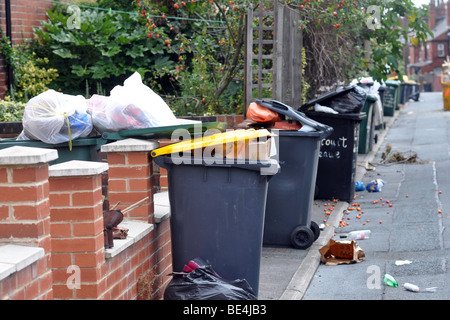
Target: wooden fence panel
[(273, 54)]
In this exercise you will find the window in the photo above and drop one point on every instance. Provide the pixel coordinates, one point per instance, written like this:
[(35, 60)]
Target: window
[(441, 50)]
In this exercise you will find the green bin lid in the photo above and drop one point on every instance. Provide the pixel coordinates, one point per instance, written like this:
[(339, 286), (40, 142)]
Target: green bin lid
[(392, 83), (371, 98)]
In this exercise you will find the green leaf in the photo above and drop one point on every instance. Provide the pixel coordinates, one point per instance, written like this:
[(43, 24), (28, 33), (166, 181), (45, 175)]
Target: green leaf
[(65, 53), (111, 50), (163, 62), (79, 71)]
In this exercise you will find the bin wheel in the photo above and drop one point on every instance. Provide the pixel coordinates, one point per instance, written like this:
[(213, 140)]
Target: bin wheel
[(315, 229), (302, 237)]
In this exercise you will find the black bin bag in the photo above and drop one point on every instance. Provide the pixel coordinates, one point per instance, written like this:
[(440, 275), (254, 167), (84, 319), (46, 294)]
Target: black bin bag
[(349, 99), (203, 283)]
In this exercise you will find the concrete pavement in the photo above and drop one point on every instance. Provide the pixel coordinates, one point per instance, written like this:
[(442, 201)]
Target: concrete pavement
[(415, 230)]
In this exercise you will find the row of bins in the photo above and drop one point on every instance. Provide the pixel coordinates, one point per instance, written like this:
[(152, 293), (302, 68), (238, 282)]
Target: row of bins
[(226, 211)]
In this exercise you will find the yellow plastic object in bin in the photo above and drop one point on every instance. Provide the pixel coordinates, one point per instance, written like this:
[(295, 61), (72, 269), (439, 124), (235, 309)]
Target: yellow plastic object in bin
[(211, 140)]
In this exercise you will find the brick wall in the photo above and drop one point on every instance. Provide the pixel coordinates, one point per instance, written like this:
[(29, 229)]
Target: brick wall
[(25, 15), (25, 219), (33, 281), (3, 80), (60, 209), (130, 179), (77, 232)]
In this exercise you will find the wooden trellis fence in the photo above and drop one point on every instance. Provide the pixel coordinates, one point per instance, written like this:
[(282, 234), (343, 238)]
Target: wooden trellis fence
[(273, 59)]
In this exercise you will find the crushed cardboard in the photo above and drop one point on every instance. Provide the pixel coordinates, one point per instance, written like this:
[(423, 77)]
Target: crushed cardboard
[(341, 252)]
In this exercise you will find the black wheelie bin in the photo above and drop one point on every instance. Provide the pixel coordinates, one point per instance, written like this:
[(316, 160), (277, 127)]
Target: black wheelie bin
[(339, 152)]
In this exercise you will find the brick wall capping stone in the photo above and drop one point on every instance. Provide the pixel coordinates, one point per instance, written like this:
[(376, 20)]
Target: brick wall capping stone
[(162, 206), (19, 155), (130, 145), (77, 168), (136, 231), (14, 258)]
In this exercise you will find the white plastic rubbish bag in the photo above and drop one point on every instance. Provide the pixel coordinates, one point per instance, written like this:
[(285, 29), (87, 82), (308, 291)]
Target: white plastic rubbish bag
[(54, 117), (131, 106)]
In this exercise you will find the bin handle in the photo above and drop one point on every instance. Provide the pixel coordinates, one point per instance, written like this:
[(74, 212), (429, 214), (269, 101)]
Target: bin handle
[(282, 108)]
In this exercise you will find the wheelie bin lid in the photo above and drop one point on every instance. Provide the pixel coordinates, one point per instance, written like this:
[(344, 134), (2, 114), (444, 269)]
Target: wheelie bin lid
[(162, 132), (79, 142), (392, 83), (211, 140), (328, 95), (371, 98), (268, 167), (164, 156), (322, 130), (337, 93), (345, 116)]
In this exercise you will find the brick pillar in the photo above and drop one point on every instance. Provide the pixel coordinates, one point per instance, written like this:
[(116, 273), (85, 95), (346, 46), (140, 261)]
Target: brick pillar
[(76, 206), (24, 205), (130, 176)]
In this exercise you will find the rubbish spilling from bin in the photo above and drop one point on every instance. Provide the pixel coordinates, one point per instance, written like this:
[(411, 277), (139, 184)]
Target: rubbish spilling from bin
[(372, 87), (261, 114), (131, 106), (200, 281), (319, 108), (271, 114), (54, 117), (236, 144), (341, 252), (348, 99)]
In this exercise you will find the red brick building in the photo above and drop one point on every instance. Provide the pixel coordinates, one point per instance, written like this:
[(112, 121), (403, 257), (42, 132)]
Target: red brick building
[(425, 61), (24, 16)]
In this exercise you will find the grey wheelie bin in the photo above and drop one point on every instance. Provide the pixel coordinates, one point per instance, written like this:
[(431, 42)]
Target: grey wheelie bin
[(291, 191), (217, 211)]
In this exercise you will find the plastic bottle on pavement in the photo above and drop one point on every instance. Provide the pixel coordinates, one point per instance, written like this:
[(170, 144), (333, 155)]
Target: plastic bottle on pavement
[(359, 235), (390, 281), (411, 287)]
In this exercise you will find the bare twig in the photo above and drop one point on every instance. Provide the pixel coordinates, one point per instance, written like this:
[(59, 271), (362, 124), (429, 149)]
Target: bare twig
[(135, 205)]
